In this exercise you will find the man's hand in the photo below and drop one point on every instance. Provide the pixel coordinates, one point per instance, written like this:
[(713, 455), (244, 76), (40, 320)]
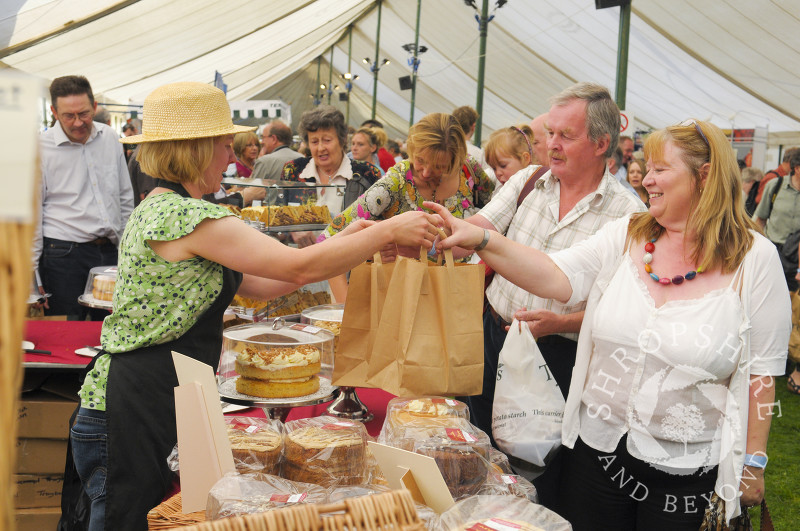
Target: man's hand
[(251, 193), (303, 239), (44, 304), (541, 322)]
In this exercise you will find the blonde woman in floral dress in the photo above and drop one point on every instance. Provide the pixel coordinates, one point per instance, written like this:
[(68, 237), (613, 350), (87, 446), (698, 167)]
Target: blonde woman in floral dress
[(438, 169)]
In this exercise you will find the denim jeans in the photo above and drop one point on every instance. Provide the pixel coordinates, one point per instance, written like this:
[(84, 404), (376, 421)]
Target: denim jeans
[(64, 268), (88, 438)]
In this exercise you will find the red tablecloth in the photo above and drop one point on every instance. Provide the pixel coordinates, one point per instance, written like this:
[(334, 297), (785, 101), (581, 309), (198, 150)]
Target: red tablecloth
[(62, 338)]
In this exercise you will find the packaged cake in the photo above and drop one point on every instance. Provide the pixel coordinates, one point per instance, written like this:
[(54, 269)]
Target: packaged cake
[(482, 513), (275, 359), (460, 452), (257, 444), (509, 485), (238, 494), (100, 284), (404, 413), (325, 451)]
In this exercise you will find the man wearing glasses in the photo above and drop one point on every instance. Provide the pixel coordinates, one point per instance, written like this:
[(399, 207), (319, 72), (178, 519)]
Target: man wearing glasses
[(275, 139), (86, 198)]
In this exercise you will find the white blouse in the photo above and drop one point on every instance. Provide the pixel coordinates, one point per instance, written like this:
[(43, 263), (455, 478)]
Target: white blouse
[(330, 197), (660, 374), (674, 378)]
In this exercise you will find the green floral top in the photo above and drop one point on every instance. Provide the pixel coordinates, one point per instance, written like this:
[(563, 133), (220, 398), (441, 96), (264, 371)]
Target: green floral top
[(395, 194), (155, 301)]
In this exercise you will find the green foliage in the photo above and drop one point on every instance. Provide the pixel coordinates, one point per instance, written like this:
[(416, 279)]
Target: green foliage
[(782, 477)]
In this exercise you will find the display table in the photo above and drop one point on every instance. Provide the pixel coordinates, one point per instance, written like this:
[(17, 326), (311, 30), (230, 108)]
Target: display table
[(62, 338)]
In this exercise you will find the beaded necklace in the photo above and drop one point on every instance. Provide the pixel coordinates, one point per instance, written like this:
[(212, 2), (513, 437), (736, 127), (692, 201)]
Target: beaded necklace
[(649, 247)]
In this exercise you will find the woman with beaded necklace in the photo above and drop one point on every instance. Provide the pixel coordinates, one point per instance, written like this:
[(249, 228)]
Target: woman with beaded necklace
[(687, 322)]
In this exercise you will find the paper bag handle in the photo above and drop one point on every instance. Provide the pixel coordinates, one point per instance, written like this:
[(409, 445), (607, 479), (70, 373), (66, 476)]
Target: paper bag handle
[(447, 255)]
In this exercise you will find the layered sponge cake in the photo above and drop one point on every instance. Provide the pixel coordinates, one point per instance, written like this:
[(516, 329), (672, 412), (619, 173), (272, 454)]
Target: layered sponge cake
[(279, 372)]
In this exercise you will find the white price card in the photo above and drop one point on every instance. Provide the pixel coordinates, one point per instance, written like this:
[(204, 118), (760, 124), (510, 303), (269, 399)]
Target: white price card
[(19, 99)]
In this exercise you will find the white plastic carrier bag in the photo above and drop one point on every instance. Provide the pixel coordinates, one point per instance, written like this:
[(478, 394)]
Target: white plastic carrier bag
[(528, 405)]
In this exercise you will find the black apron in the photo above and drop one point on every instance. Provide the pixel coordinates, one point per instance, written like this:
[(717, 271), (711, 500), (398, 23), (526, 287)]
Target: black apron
[(140, 411)]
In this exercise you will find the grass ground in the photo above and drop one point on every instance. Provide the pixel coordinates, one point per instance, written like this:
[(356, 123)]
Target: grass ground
[(783, 472)]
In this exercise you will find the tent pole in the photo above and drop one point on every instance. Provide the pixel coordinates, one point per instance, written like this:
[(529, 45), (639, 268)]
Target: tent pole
[(330, 76), (349, 82), (622, 53), (484, 30), (316, 92), (377, 58), (415, 66)]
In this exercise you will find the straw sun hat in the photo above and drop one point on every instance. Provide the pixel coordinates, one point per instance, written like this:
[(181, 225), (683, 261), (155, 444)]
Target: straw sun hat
[(181, 111)]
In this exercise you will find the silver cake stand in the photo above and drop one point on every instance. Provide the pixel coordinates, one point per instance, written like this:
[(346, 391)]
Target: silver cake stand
[(347, 405), (276, 408)]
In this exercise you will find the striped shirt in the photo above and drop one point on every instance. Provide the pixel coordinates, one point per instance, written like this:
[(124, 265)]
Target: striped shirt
[(535, 224)]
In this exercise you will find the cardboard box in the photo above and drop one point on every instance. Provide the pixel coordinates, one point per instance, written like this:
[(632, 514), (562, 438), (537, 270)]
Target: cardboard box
[(37, 519), (38, 491), (43, 415), (41, 456)]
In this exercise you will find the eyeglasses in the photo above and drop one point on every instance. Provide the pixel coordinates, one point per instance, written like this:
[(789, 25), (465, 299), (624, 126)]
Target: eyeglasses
[(70, 117), (691, 121)]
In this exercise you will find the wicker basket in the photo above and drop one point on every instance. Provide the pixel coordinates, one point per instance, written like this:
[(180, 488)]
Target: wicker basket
[(168, 515), (387, 511)]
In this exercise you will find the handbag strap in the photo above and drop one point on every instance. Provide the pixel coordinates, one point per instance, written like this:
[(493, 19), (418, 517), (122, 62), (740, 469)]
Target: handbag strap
[(529, 184), (766, 518)]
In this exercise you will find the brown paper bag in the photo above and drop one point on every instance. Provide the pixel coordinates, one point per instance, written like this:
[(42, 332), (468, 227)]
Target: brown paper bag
[(426, 337), (366, 294), (794, 337)]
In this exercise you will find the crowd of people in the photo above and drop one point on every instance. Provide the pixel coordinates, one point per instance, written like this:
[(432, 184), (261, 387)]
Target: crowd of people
[(649, 278)]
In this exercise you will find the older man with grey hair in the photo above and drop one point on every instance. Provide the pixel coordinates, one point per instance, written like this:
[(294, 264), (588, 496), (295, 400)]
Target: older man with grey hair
[(568, 204)]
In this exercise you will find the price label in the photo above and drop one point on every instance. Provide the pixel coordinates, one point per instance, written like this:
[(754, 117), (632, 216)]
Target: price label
[(249, 428), (455, 434), (305, 328), (337, 426), (508, 480), (288, 498), (495, 524)]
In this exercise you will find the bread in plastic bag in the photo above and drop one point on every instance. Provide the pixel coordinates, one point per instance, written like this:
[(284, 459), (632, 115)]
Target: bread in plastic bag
[(479, 513), (256, 443), (325, 451), (237, 494)]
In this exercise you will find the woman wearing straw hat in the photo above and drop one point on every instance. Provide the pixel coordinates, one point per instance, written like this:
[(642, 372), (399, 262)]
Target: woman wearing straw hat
[(181, 261)]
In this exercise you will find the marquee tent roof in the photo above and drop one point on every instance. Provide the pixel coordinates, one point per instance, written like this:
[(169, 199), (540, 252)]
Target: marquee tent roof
[(732, 62)]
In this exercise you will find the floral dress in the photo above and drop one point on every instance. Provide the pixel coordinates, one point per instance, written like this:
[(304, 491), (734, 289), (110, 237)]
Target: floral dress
[(396, 193)]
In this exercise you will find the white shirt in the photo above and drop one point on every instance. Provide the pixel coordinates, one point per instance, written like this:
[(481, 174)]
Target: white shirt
[(86, 189), (331, 197), (536, 224), (675, 378)]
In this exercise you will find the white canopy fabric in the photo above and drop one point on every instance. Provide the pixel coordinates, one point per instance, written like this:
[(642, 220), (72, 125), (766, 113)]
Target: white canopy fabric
[(732, 62)]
